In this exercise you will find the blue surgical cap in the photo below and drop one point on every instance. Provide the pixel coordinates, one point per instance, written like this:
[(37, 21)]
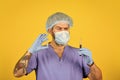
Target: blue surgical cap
[(56, 18)]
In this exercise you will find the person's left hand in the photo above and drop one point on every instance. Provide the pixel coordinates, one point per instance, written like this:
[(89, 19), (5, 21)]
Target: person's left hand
[(87, 55)]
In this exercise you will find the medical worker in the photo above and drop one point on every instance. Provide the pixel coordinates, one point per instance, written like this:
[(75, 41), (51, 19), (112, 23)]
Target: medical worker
[(57, 60)]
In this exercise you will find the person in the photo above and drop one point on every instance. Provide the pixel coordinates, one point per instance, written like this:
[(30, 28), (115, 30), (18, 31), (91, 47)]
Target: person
[(57, 60)]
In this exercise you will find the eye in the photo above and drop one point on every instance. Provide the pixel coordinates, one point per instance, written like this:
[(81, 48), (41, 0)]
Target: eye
[(66, 28), (58, 28)]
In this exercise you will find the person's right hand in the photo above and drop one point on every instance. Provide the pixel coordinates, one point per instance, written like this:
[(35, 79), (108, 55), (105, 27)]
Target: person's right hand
[(37, 45)]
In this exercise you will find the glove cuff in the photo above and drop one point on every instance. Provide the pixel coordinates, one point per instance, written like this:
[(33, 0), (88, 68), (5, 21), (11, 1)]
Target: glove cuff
[(91, 63), (30, 50)]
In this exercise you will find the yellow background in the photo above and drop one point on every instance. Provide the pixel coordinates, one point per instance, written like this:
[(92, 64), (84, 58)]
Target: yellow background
[(96, 24)]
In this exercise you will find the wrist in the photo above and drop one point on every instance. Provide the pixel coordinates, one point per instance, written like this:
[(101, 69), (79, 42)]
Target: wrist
[(28, 53), (30, 50), (91, 64)]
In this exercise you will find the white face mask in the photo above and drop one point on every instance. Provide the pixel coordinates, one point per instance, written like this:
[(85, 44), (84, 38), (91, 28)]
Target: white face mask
[(62, 37)]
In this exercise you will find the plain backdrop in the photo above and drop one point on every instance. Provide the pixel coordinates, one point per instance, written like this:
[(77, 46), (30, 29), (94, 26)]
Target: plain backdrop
[(96, 25)]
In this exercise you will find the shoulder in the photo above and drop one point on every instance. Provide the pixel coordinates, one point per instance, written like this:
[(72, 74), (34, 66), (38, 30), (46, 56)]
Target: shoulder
[(40, 52), (75, 50)]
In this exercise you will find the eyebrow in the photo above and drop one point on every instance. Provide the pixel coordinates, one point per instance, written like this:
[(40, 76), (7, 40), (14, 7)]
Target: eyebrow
[(62, 27), (57, 26)]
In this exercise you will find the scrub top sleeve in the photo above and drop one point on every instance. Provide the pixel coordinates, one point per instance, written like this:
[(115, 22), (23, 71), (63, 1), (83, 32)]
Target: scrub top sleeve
[(85, 68), (32, 64)]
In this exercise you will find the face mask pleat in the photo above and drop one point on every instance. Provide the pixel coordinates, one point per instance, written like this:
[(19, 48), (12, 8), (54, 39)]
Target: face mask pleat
[(62, 37)]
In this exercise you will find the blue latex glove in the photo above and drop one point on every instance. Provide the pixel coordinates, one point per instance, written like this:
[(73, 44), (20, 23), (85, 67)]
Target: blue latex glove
[(87, 56), (37, 45)]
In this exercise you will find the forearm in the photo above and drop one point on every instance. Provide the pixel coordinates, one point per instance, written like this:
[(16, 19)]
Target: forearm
[(20, 68), (95, 73)]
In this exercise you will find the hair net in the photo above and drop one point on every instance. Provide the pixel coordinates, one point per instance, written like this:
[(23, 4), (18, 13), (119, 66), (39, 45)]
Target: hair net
[(56, 18)]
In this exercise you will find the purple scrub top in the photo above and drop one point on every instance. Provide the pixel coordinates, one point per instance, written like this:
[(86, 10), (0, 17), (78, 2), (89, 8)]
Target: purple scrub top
[(48, 66)]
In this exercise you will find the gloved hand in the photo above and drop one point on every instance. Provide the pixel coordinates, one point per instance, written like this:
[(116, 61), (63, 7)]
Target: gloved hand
[(87, 56), (37, 45)]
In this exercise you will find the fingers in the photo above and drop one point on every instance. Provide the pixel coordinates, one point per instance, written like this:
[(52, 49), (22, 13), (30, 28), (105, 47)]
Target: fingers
[(85, 52), (84, 49), (43, 37)]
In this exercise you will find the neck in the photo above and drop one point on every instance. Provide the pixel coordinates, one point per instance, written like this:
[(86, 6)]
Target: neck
[(56, 46)]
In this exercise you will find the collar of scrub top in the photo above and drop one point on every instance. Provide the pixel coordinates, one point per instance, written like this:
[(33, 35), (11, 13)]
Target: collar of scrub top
[(52, 52)]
